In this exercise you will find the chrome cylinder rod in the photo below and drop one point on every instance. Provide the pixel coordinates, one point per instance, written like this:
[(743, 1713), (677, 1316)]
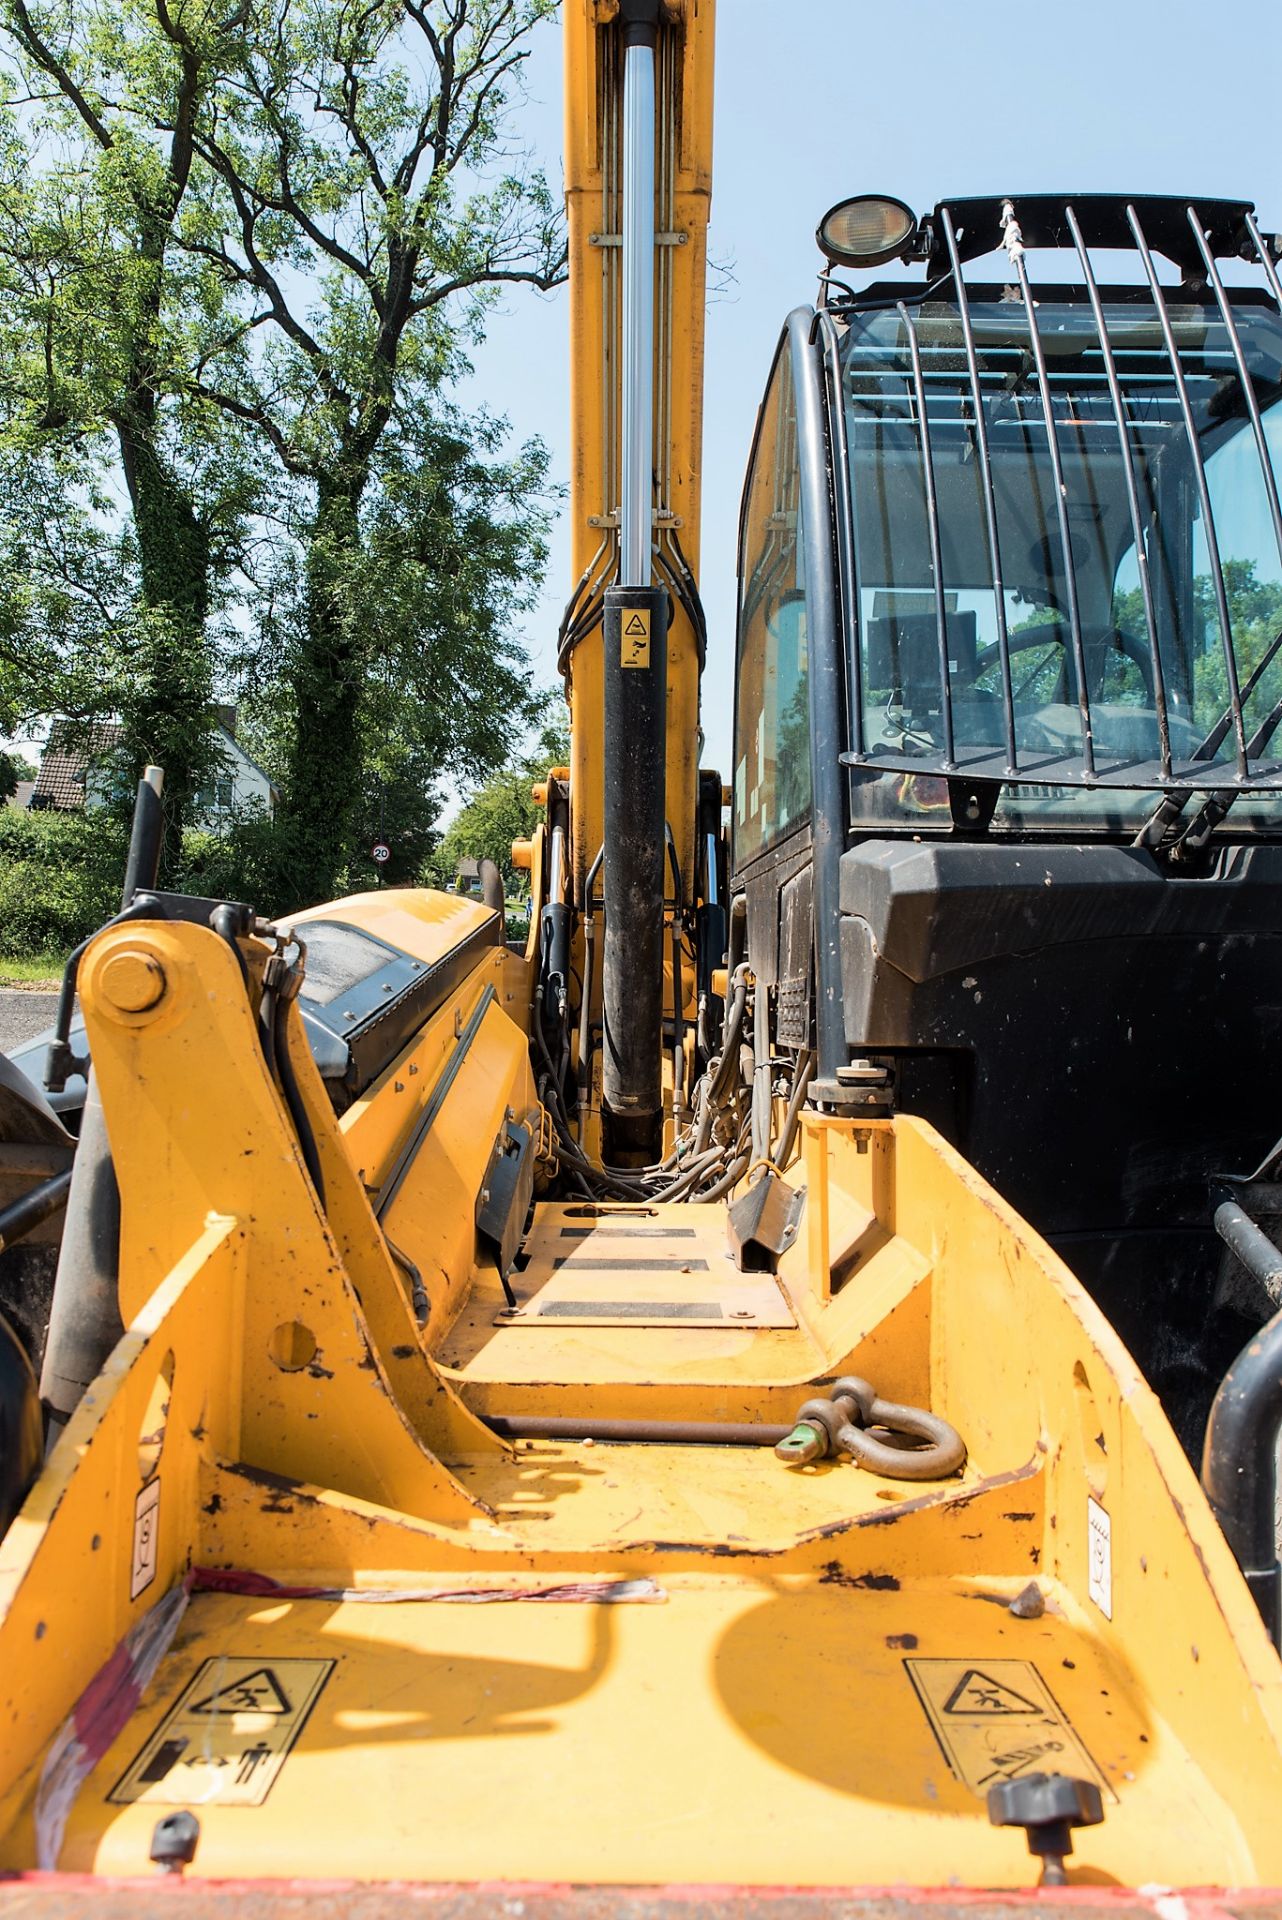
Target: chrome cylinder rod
[(637, 455)]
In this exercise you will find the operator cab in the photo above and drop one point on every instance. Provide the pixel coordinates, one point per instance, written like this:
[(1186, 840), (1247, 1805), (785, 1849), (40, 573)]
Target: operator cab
[(1007, 801)]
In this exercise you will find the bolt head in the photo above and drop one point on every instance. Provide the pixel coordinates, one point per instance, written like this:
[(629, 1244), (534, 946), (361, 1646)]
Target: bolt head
[(133, 981)]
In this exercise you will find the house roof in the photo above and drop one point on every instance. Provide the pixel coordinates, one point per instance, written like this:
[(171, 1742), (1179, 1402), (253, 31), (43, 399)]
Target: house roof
[(64, 763)]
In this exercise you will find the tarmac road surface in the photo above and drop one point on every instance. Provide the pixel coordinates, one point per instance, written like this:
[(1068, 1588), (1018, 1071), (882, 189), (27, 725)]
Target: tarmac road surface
[(23, 1014)]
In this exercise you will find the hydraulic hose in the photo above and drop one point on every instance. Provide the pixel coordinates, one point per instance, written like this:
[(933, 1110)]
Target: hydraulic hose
[(294, 1100)]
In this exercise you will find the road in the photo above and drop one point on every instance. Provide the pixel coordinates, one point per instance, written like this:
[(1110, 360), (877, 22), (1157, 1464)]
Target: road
[(23, 1014)]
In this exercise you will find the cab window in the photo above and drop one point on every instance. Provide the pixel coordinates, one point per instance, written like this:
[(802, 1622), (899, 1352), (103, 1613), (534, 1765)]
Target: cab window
[(772, 715)]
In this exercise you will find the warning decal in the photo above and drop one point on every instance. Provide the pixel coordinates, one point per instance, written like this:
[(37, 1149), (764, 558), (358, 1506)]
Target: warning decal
[(997, 1719), (634, 646), (978, 1692), (228, 1735), (258, 1692)]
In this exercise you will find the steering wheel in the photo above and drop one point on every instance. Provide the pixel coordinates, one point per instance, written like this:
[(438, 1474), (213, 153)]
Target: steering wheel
[(1056, 634)]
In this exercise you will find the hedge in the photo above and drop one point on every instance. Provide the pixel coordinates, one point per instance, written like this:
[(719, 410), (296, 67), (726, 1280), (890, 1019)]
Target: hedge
[(61, 874), (60, 877)]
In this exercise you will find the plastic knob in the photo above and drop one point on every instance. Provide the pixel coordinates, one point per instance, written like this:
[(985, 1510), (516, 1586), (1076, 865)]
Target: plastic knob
[(174, 1841), (1048, 1806)]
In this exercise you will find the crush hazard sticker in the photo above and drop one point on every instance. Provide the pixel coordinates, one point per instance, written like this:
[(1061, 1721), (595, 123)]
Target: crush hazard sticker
[(634, 643), (997, 1719), (227, 1736)]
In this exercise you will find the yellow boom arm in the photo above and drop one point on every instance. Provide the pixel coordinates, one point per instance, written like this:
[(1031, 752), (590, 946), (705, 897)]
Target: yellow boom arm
[(683, 164)]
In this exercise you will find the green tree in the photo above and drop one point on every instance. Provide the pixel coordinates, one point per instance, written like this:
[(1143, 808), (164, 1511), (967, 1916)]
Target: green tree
[(376, 214), (450, 556), (13, 768), (102, 313), (240, 247), (1255, 621), (502, 810)]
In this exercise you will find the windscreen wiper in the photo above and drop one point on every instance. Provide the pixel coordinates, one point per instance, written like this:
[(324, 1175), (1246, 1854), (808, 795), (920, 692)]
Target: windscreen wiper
[(1171, 806), (1217, 804)]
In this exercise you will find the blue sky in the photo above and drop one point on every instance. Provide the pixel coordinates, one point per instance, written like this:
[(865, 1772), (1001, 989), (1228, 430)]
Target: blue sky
[(821, 99)]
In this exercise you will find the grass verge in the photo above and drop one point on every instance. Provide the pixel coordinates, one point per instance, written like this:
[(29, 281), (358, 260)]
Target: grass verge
[(42, 972)]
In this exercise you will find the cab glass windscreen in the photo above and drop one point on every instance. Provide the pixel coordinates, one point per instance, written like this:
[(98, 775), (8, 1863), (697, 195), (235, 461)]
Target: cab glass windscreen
[(936, 590)]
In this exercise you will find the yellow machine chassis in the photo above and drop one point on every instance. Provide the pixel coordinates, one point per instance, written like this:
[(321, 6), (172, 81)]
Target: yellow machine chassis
[(691, 1664)]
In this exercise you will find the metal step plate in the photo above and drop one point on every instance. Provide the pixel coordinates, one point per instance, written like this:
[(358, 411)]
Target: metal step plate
[(635, 1267)]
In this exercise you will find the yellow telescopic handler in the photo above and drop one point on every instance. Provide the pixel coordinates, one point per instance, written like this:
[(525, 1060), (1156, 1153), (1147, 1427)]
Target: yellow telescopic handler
[(762, 1404)]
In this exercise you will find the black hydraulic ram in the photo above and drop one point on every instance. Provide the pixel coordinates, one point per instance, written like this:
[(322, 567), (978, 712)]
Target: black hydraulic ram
[(1239, 1460), (636, 657)]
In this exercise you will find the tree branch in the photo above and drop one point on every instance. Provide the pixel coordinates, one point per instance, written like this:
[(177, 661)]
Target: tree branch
[(255, 416), (47, 60), (486, 276)]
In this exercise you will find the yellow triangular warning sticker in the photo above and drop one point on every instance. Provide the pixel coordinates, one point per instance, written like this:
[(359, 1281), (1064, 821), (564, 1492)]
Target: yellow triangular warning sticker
[(637, 625), (978, 1692), (257, 1692)]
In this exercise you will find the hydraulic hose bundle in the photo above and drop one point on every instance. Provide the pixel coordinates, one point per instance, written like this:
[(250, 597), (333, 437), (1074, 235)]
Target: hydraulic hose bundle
[(730, 1124)]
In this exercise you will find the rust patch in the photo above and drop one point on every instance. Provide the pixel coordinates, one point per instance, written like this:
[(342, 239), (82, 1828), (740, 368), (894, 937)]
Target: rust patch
[(711, 1550), (952, 1497), (905, 1640)]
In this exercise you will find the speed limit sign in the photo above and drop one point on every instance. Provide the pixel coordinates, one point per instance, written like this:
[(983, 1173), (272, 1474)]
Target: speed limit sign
[(381, 851)]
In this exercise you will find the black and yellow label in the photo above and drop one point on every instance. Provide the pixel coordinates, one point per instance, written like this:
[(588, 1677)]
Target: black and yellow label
[(634, 641), (227, 1736), (997, 1719)]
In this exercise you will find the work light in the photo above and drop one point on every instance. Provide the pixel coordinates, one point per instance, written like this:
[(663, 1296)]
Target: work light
[(866, 231)]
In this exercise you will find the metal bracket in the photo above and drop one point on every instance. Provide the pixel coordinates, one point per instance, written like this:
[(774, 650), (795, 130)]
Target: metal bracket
[(762, 1224), (504, 1200), (668, 238), (609, 522)]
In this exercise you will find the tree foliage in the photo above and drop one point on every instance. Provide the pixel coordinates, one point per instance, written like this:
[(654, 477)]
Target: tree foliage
[(244, 245), (501, 810)]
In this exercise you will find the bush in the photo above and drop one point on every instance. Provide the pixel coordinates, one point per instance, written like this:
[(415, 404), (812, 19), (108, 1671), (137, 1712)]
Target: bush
[(60, 878), (61, 874), (242, 864)]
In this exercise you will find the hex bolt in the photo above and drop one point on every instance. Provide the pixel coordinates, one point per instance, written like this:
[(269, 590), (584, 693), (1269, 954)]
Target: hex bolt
[(174, 1841), (1048, 1806), (133, 981)]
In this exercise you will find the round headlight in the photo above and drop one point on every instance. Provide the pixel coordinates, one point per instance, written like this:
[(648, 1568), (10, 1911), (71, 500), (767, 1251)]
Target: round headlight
[(866, 231)]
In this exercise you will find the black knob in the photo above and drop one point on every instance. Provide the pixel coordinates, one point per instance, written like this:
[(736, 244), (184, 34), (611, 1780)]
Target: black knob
[(1048, 1806), (174, 1842)]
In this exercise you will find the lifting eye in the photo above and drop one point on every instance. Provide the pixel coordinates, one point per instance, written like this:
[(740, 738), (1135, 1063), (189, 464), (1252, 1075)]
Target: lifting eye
[(865, 231)]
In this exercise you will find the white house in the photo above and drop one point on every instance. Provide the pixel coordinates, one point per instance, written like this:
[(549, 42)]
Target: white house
[(76, 771)]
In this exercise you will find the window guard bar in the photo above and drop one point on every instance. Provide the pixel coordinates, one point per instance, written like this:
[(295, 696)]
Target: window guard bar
[(1225, 306), (1203, 492), (932, 527), (1061, 505), (848, 558), (1132, 489), (990, 496)]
